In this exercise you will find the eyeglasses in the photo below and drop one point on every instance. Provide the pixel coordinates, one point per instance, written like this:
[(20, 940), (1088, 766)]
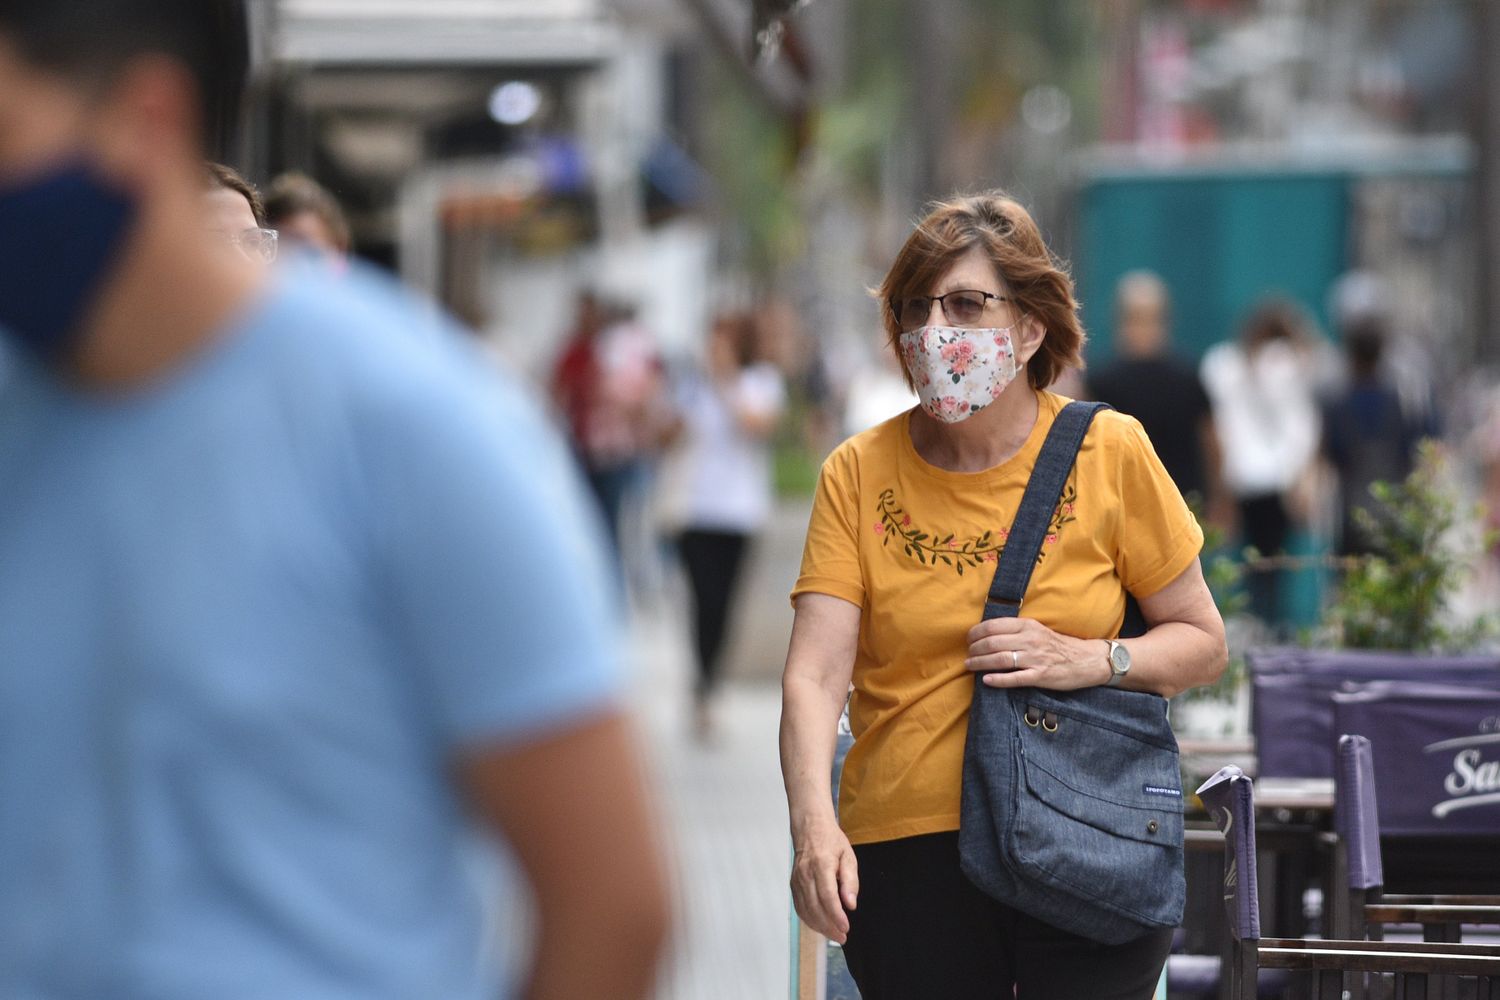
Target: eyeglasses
[(961, 308), (257, 244)]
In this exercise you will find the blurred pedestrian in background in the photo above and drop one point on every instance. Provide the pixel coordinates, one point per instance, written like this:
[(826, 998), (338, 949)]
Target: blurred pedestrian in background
[(575, 373), (1368, 437), (1262, 388), (907, 525), (1361, 298), (877, 391), (609, 384), (1147, 381), (308, 217), (277, 635), (237, 216), (722, 494)]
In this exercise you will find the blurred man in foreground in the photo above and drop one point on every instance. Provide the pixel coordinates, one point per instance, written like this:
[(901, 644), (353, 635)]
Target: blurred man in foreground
[(291, 599)]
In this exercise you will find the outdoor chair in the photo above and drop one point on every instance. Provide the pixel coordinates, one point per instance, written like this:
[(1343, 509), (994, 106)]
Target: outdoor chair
[(1433, 746), (1363, 906), (1436, 762), (1229, 797), (1292, 690)]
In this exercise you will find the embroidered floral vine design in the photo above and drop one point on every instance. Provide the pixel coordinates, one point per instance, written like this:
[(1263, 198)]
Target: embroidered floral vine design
[(931, 548)]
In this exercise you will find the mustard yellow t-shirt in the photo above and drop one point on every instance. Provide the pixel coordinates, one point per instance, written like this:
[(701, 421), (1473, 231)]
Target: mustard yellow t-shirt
[(915, 546)]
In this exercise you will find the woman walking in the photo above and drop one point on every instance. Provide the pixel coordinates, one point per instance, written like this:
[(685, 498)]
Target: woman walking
[(908, 523), (728, 413)]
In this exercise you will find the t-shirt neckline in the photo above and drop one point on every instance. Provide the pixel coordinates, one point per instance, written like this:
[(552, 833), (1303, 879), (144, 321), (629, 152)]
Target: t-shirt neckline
[(1025, 457)]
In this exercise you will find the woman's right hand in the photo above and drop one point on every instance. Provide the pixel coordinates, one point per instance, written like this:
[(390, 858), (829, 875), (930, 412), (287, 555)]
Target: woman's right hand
[(825, 879)]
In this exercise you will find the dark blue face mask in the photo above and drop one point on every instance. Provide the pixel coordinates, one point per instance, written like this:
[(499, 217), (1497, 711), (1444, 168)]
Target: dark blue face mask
[(61, 231)]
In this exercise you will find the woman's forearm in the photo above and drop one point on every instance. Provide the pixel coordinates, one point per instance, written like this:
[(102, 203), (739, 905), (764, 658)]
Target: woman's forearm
[(1167, 660), (1185, 647), (1182, 649), (1170, 658), (819, 664), (809, 727)]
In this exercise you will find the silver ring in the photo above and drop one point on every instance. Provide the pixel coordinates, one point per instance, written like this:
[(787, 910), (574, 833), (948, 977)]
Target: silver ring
[(1015, 660)]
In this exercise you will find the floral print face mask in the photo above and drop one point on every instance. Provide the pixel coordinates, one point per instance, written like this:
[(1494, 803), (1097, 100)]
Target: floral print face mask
[(958, 371)]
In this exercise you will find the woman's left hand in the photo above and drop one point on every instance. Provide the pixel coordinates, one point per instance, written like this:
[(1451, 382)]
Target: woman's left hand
[(1022, 652)]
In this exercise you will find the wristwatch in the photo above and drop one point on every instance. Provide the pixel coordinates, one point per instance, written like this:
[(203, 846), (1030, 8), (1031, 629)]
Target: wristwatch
[(1119, 662)]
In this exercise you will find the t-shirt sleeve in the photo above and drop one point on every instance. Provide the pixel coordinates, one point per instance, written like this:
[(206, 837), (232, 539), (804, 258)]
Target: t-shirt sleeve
[(1157, 536), (491, 566), (830, 556)]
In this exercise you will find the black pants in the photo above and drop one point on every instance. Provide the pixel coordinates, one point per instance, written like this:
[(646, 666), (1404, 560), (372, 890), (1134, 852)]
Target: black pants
[(713, 560), (1265, 525), (921, 930)]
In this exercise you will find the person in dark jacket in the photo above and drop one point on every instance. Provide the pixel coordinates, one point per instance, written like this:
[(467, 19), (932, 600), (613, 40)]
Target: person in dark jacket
[(1368, 437), (1147, 381)]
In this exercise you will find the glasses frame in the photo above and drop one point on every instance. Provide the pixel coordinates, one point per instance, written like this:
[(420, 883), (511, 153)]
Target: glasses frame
[(985, 297), (245, 244)]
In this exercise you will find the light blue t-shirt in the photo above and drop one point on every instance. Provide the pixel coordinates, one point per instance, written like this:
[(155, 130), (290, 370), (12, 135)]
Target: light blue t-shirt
[(247, 617)]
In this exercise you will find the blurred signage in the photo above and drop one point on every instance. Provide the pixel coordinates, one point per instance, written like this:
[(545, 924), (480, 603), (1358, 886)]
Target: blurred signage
[(1474, 775), (1437, 755), (441, 32)]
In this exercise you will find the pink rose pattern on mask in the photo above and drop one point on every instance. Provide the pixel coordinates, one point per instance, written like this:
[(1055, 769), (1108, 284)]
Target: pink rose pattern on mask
[(957, 371)]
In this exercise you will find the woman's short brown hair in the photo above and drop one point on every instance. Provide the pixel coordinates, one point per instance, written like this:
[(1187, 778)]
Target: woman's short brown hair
[(1037, 281), (230, 179)]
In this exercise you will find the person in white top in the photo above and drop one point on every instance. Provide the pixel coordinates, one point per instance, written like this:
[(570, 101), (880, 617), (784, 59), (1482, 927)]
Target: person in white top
[(876, 392), (728, 413), (1262, 389)]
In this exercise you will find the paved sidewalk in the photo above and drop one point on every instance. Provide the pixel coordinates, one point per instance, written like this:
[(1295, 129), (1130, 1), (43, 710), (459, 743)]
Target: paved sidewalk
[(726, 817)]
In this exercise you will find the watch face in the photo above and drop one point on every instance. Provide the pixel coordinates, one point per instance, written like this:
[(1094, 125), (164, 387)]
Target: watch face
[(1119, 658)]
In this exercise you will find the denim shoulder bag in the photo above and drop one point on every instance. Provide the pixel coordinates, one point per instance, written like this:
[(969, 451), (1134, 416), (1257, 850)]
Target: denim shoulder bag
[(1072, 800)]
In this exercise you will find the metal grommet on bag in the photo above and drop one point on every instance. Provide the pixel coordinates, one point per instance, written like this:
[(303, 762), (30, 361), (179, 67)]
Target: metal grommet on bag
[(1033, 717), (1049, 722)]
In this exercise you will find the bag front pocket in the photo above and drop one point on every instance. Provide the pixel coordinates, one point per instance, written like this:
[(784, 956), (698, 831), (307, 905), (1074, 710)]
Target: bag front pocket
[(1099, 816)]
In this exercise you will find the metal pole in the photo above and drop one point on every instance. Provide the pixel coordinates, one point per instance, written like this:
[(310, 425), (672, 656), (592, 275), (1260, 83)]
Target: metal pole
[(1487, 182)]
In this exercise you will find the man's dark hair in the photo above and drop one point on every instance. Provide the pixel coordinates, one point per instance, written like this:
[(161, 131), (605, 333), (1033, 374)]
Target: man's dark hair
[(1364, 343), (294, 193), (91, 40)]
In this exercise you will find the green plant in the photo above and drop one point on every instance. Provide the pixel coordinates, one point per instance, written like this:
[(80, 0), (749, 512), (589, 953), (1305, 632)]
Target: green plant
[(1399, 595), (794, 468)]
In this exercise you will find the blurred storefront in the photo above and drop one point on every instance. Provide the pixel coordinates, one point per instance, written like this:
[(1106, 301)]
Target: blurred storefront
[(505, 154), (1253, 147), (502, 155)]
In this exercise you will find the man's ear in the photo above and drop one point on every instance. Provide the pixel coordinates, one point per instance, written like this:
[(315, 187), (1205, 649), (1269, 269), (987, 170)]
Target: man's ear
[(150, 121)]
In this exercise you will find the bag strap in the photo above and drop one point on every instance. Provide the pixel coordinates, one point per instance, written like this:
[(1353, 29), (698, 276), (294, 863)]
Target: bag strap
[(1023, 546)]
